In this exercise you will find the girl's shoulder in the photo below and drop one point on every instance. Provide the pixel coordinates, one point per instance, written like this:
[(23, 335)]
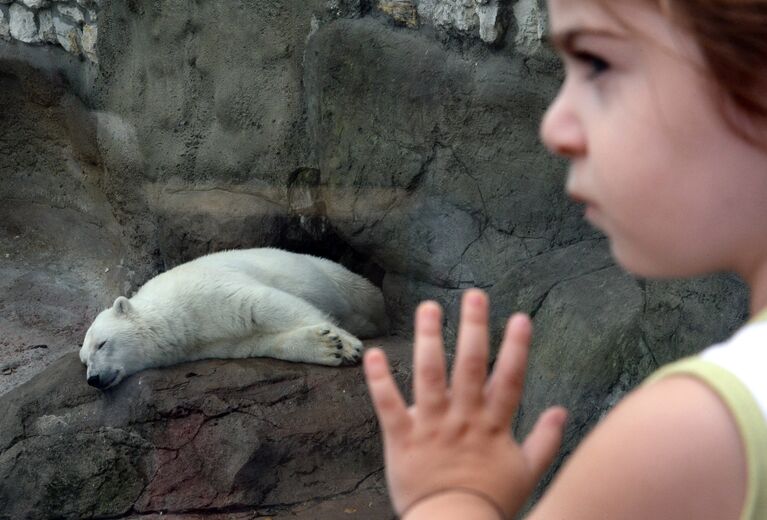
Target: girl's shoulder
[(734, 371), (691, 442), (670, 449)]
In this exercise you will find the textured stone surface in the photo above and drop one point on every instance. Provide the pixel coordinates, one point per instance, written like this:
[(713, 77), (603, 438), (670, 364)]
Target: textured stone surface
[(88, 41), (486, 19), (63, 23), (47, 30), (71, 11), (531, 24), (35, 4), (5, 28), (255, 436), (22, 24), (68, 34), (474, 17), (402, 12), (434, 154), (60, 246)]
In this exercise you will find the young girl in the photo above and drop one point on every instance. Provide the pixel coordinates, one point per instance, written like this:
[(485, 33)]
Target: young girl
[(663, 116)]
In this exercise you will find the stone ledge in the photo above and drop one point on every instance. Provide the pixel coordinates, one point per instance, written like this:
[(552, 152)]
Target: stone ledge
[(218, 436)]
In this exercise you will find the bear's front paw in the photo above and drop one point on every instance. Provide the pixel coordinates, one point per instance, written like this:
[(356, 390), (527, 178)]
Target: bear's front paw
[(339, 347)]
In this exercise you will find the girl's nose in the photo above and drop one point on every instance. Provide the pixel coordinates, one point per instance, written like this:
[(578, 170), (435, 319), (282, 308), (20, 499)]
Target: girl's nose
[(561, 130)]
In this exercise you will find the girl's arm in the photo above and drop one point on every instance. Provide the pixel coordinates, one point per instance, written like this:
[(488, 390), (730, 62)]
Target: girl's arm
[(670, 450)]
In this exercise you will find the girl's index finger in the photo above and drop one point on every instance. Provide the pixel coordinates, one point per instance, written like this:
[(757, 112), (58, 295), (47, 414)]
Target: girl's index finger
[(388, 402)]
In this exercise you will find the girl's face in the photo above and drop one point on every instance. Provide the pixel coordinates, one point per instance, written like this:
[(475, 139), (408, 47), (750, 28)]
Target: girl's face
[(659, 170)]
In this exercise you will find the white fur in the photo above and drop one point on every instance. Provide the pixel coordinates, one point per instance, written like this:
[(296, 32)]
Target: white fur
[(236, 304)]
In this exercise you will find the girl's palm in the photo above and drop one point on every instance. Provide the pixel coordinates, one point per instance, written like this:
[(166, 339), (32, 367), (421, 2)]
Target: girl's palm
[(459, 436)]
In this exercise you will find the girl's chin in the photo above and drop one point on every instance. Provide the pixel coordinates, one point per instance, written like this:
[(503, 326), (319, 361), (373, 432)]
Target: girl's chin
[(592, 215), (642, 267), (638, 263)]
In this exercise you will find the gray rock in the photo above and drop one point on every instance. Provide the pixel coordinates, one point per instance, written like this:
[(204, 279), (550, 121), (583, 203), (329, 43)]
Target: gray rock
[(403, 12), (47, 29), (68, 33), (5, 28), (458, 14), (88, 41), (343, 9), (531, 22), (60, 246), (490, 27), (242, 126), (474, 17), (22, 24), (35, 4), (267, 436), (72, 12), (681, 317), (602, 349), (420, 186)]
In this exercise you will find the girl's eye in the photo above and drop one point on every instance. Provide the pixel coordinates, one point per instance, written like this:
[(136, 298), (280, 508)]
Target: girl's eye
[(595, 64), (98, 347)]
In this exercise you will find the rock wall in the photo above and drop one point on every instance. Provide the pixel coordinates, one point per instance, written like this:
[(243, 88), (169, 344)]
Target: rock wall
[(73, 24), (69, 24), (397, 137), (223, 439)]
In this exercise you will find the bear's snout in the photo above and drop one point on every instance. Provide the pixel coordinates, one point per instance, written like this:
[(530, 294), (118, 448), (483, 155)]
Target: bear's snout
[(103, 381), (95, 380)]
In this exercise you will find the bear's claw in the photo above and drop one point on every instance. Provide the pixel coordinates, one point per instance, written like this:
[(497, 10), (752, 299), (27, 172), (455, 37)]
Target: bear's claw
[(343, 348)]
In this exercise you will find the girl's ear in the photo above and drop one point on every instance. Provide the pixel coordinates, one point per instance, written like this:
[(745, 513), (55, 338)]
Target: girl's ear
[(122, 305)]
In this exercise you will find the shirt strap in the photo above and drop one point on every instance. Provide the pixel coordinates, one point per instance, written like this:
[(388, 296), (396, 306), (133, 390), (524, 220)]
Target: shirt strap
[(760, 316)]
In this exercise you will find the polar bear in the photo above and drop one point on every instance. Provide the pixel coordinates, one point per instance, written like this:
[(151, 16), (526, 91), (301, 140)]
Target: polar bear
[(236, 304)]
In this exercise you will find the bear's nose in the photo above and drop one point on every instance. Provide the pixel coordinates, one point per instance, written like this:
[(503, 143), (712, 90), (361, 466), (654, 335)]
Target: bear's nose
[(95, 380)]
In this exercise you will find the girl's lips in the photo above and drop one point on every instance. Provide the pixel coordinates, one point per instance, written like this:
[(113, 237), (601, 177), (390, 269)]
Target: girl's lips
[(579, 199), (590, 209)]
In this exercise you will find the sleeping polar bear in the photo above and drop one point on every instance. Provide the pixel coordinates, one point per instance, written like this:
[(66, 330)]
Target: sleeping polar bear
[(236, 304)]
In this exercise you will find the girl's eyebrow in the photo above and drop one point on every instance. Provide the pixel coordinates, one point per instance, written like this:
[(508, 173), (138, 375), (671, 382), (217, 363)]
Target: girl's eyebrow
[(564, 41)]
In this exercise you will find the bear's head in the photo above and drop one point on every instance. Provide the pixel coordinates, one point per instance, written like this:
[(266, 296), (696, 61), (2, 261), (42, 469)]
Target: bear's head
[(114, 346)]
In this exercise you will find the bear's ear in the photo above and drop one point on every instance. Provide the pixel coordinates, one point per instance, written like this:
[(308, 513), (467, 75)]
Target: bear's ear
[(122, 305)]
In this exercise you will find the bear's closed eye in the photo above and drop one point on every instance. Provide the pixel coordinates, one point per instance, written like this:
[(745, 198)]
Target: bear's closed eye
[(98, 347)]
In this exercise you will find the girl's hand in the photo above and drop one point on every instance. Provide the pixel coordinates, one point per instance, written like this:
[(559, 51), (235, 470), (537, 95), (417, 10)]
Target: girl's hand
[(460, 436)]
